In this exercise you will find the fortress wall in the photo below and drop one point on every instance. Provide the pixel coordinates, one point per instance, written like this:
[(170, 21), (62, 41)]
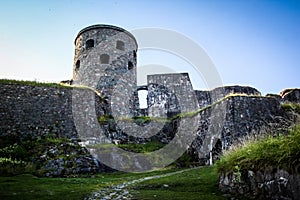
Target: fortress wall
[(170, 94), (206, 98), (237, 117), (38, 110)]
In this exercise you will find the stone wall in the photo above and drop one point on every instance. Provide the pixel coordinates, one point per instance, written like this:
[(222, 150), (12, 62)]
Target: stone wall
[(270, 183), (37, 110), (291, 95), (31, 112), (206, 98), (170, 94), (235, 118)]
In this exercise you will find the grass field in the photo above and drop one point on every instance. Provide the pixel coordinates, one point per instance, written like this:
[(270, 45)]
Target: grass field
[(199, 183)]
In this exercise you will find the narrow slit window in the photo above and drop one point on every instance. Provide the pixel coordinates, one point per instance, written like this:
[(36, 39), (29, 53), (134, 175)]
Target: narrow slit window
[(77, 64), (104, 59), (130, 65), (134, 53)]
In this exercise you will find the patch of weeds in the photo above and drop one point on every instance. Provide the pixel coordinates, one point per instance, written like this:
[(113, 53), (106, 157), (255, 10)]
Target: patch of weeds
[(10, 167), (238, 174), (142, 120), (14, 152), (18, 158), (32, 83), (142, 148), (55, 140), (105, 119), (272, 151), (291, 107)]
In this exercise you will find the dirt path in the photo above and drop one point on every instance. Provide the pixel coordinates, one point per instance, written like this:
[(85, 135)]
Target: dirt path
[(119, 191)]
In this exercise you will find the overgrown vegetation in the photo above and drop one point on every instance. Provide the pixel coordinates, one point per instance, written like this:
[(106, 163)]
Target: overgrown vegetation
[(105, 119), (142, 148), (141, 120), (283, 151), (32, 83), (47, 84), (18, 157), (291, 107)]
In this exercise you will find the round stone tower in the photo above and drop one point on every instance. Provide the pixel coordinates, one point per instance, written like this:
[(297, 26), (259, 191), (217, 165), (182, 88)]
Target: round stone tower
[(104, 54)]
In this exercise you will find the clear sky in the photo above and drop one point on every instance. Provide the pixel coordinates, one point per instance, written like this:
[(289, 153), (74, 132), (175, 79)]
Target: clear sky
[(251, 42)]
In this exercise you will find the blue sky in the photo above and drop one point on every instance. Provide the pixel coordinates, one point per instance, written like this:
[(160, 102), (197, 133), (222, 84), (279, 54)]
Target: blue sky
[(253, 42)]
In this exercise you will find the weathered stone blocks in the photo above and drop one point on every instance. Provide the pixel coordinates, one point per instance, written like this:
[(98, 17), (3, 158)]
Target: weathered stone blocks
[(270, 183)]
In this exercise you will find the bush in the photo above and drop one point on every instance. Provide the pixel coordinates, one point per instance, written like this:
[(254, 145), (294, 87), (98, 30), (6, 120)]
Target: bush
[(14, 152), (17, 158), (9, 167)]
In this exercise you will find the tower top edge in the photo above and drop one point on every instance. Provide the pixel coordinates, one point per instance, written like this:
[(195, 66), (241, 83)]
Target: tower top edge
[(105, 26)]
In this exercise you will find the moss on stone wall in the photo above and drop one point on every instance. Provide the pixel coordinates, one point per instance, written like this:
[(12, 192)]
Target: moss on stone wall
[(33, 83)]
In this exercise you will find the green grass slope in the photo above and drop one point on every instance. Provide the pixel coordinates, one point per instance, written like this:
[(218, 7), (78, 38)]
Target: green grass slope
[(281, 151)]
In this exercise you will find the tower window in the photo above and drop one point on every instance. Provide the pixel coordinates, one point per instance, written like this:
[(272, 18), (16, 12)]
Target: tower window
[(130, 65), (89, 43), (134, 53), (77, 65), (104, 59), (120, 45)]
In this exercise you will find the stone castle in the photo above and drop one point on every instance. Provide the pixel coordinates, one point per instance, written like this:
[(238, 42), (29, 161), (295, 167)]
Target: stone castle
[(106, 58)]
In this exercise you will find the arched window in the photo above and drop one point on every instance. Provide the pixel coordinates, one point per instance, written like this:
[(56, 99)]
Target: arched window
[(120, 45), (134, 53), (77, 65), (130, 65), (89, 43), (104, 59)]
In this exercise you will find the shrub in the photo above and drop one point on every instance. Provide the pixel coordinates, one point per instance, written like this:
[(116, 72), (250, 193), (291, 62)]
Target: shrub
[(9, 167)]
